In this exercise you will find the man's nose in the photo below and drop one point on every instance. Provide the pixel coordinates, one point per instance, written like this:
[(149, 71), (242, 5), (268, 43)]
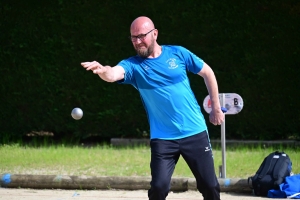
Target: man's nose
[(138, 40)]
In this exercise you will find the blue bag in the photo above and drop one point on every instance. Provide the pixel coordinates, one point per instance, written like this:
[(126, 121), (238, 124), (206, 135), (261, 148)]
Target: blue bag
[(290, 188)]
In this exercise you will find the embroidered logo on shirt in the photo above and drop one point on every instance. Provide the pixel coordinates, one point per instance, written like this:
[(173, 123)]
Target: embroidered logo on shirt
[(146, 68), (172, 63)]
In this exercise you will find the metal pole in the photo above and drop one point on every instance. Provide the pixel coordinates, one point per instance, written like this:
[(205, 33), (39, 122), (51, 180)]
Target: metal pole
[(223, 142)]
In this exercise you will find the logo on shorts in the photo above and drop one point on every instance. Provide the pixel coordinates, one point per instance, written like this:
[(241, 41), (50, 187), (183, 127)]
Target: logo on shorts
[(207, 149), (172, 63)]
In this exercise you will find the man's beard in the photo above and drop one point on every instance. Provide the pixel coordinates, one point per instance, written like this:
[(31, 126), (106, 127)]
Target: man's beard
[(145, 53)]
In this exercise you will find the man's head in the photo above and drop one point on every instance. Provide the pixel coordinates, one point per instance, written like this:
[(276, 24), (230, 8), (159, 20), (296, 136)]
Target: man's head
[(143, 36)]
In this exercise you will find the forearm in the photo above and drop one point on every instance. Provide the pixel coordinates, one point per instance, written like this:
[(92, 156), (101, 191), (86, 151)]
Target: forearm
[(211, 85), (108, 75)]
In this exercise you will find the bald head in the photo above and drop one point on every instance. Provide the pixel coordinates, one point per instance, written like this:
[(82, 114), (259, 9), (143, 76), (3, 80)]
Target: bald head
[(141, 24), (144, 36)]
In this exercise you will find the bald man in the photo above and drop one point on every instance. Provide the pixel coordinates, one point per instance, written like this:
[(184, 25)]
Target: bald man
[(177, 126)]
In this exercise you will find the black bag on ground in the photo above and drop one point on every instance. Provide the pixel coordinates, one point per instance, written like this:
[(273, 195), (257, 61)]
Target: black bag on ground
[(271, 173)]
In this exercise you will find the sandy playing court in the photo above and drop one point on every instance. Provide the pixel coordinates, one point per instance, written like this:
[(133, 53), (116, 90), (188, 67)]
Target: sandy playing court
[(55, 194)]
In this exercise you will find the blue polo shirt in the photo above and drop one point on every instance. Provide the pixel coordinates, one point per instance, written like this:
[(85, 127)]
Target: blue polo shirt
[(172, 109)]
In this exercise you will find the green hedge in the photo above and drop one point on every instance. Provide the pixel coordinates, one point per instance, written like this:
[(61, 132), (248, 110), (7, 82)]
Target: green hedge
[(252, 46)]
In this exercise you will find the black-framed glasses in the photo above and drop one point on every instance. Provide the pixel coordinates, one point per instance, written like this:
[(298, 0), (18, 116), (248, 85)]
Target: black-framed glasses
[(140, 36)]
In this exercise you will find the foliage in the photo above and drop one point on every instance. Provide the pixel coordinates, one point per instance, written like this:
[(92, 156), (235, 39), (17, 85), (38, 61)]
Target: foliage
[(252, 46)]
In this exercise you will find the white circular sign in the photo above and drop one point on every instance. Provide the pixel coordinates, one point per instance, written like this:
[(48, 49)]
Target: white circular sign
[(233, 103)]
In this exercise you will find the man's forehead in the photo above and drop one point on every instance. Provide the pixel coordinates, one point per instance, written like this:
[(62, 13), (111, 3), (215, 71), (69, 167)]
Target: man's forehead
[(140, 27)]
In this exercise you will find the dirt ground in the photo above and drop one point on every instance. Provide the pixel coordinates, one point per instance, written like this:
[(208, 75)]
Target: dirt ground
[(33, 194)]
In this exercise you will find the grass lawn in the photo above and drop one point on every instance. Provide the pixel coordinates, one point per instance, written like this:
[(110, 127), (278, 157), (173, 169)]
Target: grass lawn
[(104, 160)]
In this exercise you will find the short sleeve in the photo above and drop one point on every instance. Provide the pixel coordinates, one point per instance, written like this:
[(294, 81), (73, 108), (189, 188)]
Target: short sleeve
[(129, 69), (193, 63)]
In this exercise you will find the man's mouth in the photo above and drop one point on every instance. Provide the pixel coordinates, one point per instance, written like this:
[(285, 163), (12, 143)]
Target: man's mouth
[(140, 47)]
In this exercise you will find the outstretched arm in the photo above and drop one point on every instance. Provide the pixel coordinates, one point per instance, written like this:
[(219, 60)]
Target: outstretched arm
[(107, 73), (216, 116)]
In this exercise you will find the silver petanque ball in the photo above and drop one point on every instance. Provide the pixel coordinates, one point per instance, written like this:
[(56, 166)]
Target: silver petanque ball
[(77, 113)]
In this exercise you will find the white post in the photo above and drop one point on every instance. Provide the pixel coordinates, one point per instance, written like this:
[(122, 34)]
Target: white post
[(223, 142), (235, 104)]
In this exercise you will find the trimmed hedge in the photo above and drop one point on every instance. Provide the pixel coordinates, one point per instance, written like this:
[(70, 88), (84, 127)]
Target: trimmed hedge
[(252, 46)]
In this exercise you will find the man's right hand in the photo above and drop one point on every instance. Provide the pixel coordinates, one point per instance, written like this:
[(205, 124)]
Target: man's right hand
[(107, 73), (96, 67)]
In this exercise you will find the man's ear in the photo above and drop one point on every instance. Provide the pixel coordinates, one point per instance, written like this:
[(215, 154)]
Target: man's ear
[(156, 33)]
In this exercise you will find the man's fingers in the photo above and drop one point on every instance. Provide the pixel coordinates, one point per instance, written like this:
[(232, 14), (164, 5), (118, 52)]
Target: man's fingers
[(215, 121), (90, 64), (93, 67), (86, 64), (96, 67), (212, 121)]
